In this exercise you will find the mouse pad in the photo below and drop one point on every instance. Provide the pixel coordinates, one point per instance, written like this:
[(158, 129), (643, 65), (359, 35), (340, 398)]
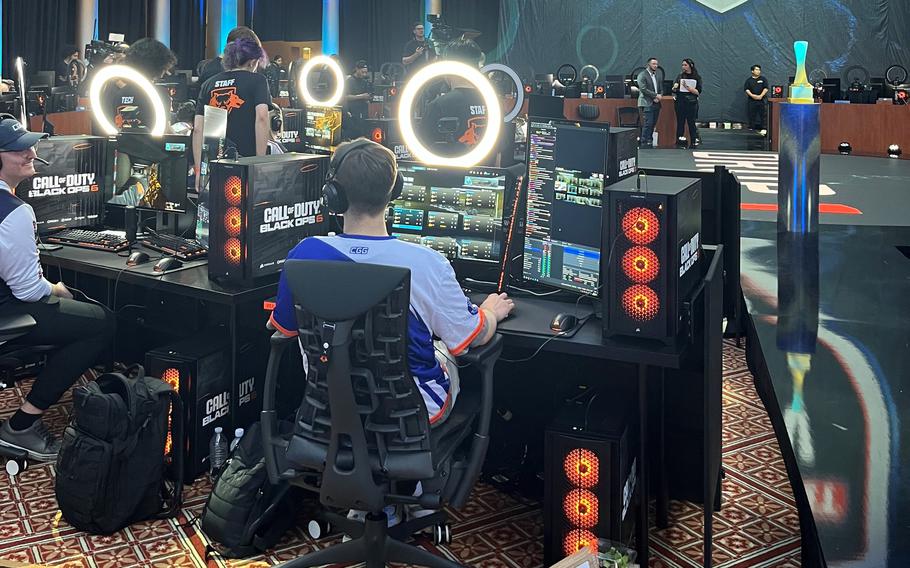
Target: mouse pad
[(117, 261), (532, 316)]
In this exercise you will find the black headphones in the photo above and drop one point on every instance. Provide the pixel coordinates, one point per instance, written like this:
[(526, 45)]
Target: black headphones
[(277, 118), (333, 193)]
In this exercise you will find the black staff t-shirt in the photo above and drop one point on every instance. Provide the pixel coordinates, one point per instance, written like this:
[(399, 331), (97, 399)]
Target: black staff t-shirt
[(130, 108), (756, 86), (454, 122), (239, 93)]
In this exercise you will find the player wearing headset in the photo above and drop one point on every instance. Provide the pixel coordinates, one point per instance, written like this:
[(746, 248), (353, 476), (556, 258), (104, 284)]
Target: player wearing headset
[(363, 179), (81, 331)]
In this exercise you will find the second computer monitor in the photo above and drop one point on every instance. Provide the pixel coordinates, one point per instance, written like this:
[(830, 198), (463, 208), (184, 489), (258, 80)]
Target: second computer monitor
[(150, 172), (323, 129), (456, 211), (567, 166)]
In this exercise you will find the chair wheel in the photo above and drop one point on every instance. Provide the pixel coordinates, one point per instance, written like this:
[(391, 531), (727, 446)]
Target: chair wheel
[(442, 534), (15, 466), (318, 529)]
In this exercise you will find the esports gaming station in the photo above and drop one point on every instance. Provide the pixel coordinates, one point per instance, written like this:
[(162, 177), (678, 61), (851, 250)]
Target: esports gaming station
[(438, 283)]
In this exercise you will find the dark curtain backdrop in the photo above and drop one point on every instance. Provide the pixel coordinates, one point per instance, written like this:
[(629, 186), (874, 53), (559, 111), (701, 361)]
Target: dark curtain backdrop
[(188, 32), (537, 36), (36, 30), (283, 20), (480, 15), (128, 17), (376, 30)]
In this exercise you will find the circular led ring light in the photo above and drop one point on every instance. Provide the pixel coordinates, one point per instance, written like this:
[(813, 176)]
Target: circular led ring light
[(339, 81), (519, 87), (596, 72), (568, 67), (126, 73), (481, 83)]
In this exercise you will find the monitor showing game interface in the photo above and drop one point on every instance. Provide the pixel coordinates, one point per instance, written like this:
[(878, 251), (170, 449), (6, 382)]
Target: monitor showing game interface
[(456, 211), (567, 164)]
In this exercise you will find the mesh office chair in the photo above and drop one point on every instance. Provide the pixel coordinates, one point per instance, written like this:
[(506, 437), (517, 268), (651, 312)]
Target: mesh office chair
[(628, 117), (362, 431)]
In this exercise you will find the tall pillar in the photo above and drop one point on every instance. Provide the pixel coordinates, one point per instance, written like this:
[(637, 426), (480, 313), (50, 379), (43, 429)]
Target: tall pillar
[(229, 15), (86, 21), (221, 16), (330, 26), (161, 21)]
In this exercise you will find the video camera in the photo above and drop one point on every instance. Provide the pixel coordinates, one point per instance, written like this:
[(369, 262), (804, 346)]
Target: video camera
[(441, 34), (96, 51)]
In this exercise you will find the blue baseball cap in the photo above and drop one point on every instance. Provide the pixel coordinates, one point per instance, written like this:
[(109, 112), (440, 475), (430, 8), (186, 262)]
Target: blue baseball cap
[(15, 138)]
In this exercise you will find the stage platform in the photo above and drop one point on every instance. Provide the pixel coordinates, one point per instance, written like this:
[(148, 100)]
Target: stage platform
[(829, 345)]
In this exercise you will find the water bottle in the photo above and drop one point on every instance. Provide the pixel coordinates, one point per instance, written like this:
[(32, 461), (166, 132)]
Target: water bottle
[(654, 138), (218, 452), (238, 433)]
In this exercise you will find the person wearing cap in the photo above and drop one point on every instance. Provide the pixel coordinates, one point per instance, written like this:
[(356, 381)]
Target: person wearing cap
[(357, 89), (81, 331)]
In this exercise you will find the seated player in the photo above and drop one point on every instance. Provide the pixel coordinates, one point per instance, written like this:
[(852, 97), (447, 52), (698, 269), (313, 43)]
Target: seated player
[(439, 308), (81, 331)]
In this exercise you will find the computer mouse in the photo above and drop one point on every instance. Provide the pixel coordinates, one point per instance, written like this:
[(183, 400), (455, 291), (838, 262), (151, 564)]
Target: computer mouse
[(564, 322), (137, 258), (167, 263)]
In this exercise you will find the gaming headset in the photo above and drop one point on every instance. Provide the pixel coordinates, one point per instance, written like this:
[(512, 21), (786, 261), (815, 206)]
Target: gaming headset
[(333, 193), (276, 117)]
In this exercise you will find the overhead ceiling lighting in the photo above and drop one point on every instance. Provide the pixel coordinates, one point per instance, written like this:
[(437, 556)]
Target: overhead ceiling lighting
[(303, 89), (128, 74), (481, 83)]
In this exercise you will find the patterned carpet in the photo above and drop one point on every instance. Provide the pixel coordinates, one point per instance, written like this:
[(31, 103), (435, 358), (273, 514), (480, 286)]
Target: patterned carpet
[(757, 526)]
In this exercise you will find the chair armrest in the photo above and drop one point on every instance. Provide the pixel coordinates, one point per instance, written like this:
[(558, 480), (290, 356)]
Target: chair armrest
[(12, 327), (483, 355), (279, 338), (273, 446)]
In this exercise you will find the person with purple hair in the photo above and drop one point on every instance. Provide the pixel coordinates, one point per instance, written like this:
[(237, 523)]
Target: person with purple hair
[(244, 94)]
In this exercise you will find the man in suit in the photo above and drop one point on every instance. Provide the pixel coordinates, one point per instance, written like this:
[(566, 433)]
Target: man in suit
[(649, 83)]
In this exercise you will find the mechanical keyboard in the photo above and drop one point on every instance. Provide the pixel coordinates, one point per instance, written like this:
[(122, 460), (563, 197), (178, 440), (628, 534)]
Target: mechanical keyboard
[(90, 239), (172, 245)]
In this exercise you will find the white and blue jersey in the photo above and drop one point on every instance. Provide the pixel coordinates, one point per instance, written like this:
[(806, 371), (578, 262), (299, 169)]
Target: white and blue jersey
[(438, 304)]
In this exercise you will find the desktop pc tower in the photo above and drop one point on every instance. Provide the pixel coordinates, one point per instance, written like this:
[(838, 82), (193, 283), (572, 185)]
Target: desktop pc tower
[(292, 130), (69, 192), (259, 209), (197, 368), (622, 153), (385, 131), (590, 476), (653, 238)]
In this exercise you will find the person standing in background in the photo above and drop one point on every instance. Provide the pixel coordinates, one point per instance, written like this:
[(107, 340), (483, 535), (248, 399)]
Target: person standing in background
[(416, 52), (687, 89), (756, 88), (649, 82)]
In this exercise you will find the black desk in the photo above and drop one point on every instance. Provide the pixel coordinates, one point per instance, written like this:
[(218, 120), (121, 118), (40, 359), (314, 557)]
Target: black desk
[(528, 327), (243, 305)]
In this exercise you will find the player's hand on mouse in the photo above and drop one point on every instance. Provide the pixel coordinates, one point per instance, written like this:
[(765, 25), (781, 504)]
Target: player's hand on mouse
[(500, 305)]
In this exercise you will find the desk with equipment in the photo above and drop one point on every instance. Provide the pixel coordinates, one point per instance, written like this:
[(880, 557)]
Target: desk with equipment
[(604, 264)]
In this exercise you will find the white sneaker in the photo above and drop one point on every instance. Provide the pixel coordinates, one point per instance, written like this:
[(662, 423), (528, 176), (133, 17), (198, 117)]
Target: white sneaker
[(391, 511)]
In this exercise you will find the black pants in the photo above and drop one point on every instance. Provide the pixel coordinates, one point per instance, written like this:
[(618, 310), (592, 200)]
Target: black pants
[(756, 111), (82, 333), (686, 113)]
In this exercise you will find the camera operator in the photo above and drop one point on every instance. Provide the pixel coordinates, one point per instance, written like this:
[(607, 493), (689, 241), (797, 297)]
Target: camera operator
[(416, 52), (129, 105), (63, 75), (455, 121)]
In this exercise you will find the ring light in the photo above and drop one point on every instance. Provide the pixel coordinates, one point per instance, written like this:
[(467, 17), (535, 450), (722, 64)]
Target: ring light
[(591, 67), (126, 73), (481, 83), (339, 81), (519, 87), (23, 113), (567, 81)]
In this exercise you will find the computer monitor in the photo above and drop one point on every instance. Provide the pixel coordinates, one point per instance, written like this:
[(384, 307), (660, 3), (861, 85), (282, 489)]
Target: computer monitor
[(456, 211), (323, 129), (567, 165), (9, 104), (63, 99), (177, 91), (151, 172), (69, 192), (832, 89)]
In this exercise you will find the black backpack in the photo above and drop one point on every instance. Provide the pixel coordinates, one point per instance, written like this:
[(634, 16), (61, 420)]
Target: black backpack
[(110, 469), (245, 514)]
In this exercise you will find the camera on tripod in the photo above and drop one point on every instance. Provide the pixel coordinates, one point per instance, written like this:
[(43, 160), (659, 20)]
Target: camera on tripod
[(441, 34), (97, 51)]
